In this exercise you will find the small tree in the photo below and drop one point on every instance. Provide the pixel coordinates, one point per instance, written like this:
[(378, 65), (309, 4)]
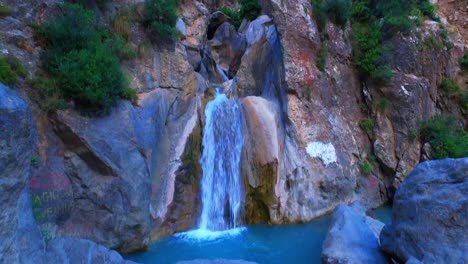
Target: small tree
[(162, 16)]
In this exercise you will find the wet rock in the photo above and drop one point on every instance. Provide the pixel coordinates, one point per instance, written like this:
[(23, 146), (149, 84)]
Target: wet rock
[(260, 157), (350, 239), (429, 214), (17, 143)]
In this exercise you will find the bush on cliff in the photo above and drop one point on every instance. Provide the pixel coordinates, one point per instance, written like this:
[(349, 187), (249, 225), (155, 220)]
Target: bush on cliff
[(81, 59), (162, 16), (339, 11), (10, 70), (250, 10), (464, 62), (447, 138)]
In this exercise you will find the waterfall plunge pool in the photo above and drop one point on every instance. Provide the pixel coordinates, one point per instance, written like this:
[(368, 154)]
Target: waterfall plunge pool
[(263, 244)]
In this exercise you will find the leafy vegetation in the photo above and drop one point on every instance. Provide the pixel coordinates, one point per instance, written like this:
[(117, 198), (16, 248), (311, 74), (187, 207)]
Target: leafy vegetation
[(4, 10), (80, 62), (339, 11), (447, 138), (35, 162), (450, 88), (383, 104), (464, 62), (234, 15), (367, 125), (367, 168), (322, 56), (250, 10), (162, 16), (10, 69)]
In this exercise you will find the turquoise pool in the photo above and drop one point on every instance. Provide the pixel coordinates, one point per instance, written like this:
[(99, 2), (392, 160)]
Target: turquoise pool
[(272, 244)]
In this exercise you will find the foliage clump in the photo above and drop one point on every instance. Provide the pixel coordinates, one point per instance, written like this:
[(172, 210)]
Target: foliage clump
[(10, 69), (447, 138), (249, 10), (5, 10), (80, 62), (367, 168), (367, 125), (161, 15), (464, 62)]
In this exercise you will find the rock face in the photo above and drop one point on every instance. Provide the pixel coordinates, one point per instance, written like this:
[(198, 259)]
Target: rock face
[(429, 214), (17, 136), (351, 239)]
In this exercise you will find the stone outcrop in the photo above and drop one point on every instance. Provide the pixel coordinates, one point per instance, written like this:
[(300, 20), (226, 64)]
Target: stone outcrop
[(17, 136), (429, 214), (353, 237)]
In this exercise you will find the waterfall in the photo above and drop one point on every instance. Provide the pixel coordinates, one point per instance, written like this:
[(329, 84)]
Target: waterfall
[(221, 184)]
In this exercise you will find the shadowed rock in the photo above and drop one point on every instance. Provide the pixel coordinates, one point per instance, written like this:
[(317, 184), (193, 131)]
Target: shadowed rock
[(350, 239), (429, 214)]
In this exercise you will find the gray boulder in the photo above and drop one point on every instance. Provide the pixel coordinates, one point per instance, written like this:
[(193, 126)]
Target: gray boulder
[(429, 214), (17, 136), (350, 239)]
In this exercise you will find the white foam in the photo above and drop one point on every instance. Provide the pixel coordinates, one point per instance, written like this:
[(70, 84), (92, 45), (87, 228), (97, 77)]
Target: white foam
[(209, 235), (324, 151)]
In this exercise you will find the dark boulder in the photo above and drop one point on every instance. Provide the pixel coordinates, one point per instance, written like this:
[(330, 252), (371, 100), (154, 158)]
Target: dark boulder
[(429, 214)]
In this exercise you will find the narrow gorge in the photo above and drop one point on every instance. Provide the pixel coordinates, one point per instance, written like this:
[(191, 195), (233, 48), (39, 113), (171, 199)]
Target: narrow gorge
[(250, 131)]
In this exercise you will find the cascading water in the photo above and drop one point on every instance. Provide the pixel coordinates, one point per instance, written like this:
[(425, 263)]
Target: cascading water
[(221, 184)]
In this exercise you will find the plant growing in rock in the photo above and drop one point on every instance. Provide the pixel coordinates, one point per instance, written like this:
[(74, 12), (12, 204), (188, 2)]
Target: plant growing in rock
[(367, 125), (236, 19), (339, 11), (4, 10), (161, 15), (450, 88), (447, 138), (250, 9), (383, 105), (10, 70), (35, 162), (80, 59), (367, 168), (464, 62)]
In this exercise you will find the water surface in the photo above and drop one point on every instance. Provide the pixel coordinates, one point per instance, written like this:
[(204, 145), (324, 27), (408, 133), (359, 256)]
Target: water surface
[(269, 244)]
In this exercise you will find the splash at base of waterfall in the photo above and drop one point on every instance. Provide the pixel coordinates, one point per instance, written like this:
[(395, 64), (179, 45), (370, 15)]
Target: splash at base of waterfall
[(222, 146), (209, 235)]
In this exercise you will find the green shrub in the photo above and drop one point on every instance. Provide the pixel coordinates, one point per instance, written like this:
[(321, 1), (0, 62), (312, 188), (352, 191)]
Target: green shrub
[(367, 168), (7, 75), (464, 100), (361, 11), (322, 56), (382, 74), (51, 97), (446, 137), (394, 24), (320, 13), (81, 62), (383, 104), (10, 69), (250, 9), (428, 9), (35, 162), (367, 47), (5, 10), (464, 62), (339, 11), (450, 88), (162, 16), (367, 125), (236, 19)]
